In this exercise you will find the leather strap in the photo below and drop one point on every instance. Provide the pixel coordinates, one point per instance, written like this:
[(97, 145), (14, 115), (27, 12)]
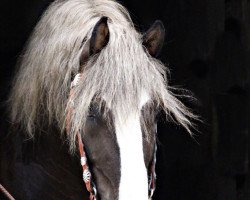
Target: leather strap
[(87, 176)]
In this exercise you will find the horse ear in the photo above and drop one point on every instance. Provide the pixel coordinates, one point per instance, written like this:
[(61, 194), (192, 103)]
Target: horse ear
[(153, 39), (99, 39), (100, 36)]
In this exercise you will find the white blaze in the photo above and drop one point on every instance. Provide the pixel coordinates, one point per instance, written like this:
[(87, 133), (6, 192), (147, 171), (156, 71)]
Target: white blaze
[(134, 178)]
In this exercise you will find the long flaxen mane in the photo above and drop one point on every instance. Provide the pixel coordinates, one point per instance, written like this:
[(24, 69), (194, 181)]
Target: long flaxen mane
[(118, 76)]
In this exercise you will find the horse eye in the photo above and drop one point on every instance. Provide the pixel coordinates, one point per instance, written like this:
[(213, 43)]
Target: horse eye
[(90, 115), (93, 111)]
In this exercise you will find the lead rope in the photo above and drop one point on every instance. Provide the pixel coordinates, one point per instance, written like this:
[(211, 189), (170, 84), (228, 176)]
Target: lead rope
[(87, 176), (6, 193)]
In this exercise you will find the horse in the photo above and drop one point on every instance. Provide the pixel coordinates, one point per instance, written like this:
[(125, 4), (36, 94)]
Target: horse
[(87, 77)]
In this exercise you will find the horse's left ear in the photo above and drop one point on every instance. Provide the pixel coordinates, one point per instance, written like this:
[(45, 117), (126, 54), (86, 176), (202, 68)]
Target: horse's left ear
[(153, 39), (100, 36)]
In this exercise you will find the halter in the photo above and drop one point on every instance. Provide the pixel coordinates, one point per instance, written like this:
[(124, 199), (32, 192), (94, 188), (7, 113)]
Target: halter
[(87, 176)]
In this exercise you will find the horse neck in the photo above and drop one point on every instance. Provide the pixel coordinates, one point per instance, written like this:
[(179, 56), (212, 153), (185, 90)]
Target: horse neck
[(41, 168)]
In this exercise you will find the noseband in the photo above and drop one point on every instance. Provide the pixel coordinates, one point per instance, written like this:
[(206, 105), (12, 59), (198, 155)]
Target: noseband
[(87, 176)]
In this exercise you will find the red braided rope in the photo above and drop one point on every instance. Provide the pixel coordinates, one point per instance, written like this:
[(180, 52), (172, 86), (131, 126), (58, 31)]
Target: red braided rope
[(85, 167), (87, 177)]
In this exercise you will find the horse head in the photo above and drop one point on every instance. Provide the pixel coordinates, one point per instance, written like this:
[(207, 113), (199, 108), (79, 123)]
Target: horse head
[(120, 90)]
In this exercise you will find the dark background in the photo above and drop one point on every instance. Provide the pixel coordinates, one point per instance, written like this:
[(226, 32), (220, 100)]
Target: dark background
[(206, 47)]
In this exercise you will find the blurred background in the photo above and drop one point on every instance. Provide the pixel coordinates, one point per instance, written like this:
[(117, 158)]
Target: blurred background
[(206, 48)]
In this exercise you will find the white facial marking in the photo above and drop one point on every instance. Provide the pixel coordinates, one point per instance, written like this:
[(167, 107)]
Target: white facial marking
[(134, 177)]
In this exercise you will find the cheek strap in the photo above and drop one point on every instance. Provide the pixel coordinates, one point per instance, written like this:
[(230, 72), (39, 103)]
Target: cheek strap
[(87, 176)]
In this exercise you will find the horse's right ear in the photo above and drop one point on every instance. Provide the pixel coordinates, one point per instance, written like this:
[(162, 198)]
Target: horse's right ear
[(100, 36), (99, 39)]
